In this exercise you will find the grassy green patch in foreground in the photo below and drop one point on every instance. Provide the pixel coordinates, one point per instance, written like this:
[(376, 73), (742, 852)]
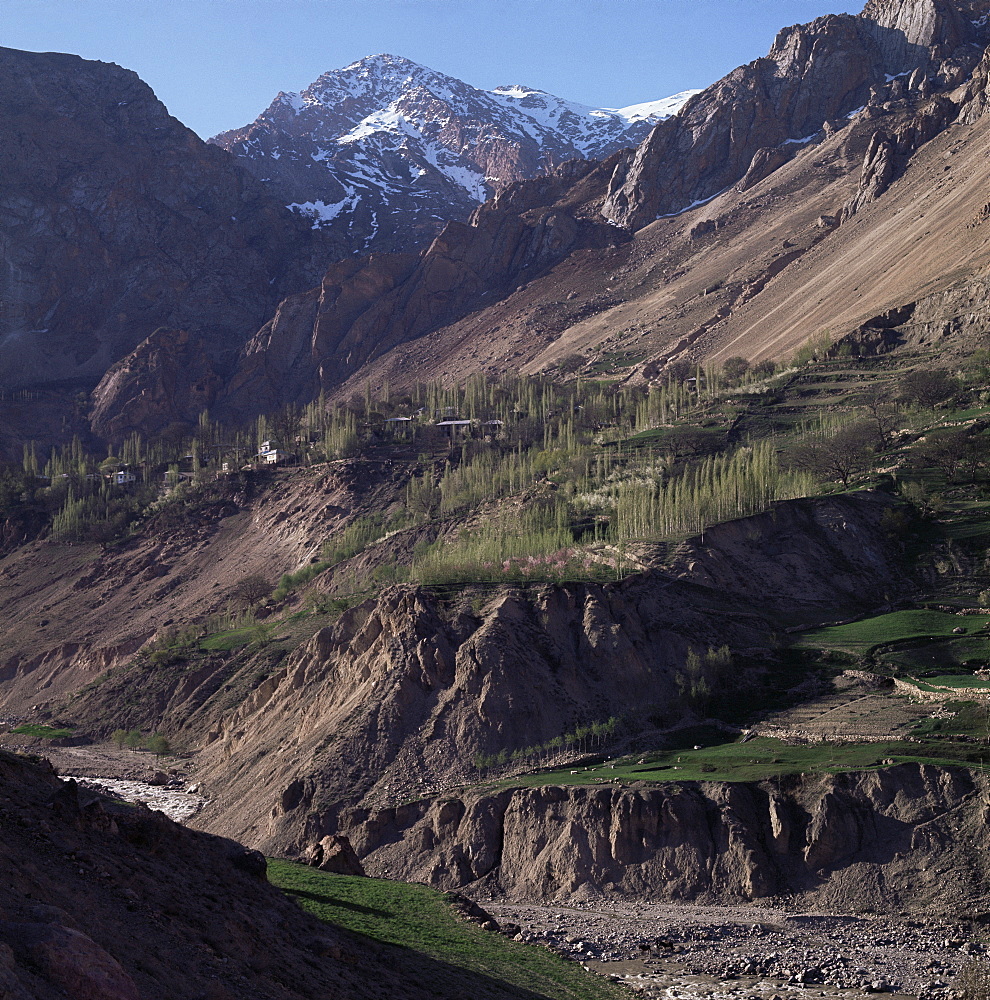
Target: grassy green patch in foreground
[(763, 758), (42, 732), (418, 918), (898, 625)]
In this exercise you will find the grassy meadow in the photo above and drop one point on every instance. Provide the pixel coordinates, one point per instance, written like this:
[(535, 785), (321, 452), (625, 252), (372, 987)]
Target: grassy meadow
[(419, 919)]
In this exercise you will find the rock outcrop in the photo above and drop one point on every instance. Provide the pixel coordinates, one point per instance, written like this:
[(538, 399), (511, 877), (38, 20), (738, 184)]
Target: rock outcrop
[(892, 838), (165, 380), (116, 220), (878, 170), (813, 74), (334, 854)]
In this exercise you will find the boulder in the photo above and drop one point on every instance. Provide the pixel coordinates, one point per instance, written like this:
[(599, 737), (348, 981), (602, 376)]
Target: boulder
[(334, 854)]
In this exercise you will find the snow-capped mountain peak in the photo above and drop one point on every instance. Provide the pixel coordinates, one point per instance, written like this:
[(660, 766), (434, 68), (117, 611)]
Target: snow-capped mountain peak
[(393, 149)]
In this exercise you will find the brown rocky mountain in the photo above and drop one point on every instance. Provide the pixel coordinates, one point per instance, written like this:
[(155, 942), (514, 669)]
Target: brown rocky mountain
[(848, 129), (116, 220), (390, 151), (813, 74)]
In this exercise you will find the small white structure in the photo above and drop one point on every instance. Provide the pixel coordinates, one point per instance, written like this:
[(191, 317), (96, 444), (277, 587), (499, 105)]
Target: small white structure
[(122, 477), (398, 420), (270, 455)]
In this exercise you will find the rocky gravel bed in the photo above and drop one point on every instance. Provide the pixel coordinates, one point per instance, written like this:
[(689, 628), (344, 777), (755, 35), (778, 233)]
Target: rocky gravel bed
[(683, 951), (178, 804)]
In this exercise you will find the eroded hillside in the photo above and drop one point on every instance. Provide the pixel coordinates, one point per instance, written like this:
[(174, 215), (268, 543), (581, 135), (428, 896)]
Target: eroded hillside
[(75, 610), (401, 695)]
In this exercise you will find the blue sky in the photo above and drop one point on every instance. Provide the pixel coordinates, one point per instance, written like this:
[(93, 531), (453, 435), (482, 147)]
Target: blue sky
[(218, 63)]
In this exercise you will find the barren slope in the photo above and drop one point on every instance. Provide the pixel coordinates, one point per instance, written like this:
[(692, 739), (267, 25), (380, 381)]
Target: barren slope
[(755, 272), (72, 612), (105, 901)]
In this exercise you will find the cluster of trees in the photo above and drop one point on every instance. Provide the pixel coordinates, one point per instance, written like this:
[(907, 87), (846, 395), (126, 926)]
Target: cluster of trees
[(582, 739), (839, 450), (705, 675), (134, 739), (714, 489)]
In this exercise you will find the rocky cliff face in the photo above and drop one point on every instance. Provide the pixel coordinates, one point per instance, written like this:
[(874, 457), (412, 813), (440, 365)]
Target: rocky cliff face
[(390, 150), (902, 837), (813, 74), (116, 220), (398, 697)]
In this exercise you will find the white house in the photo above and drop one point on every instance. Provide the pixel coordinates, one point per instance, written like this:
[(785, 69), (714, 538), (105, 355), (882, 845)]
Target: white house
[(123, 477)]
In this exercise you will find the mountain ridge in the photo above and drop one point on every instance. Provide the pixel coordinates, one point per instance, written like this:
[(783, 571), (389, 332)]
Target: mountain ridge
[(391, 149)]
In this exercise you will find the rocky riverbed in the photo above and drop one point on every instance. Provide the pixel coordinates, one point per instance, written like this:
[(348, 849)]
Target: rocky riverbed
[(170, 799), (680, 952)]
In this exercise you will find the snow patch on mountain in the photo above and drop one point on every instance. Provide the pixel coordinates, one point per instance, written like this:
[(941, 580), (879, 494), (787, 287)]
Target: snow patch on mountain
[(321, 212), (666, 107), (294, 101), (420, 146)]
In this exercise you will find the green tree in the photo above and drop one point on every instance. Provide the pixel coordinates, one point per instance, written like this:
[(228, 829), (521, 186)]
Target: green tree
[(734, 368), (158, 745), (134, 739), (119, 737)]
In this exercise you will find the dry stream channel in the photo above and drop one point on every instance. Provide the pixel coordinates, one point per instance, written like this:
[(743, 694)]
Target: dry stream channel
[(681, 951)]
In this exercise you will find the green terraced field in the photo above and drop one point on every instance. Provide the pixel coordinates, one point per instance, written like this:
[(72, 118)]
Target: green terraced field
[(759, 759), (857, 637)]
